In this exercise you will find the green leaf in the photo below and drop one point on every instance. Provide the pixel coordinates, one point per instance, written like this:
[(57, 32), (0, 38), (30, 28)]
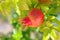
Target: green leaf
[(44, 8), (57, 28), (53, 35), (5, 7), (17, 34), (45, 37), (56, 21), (53, 8), (22, 5), (46, 34), (24, 13), (13, 4)]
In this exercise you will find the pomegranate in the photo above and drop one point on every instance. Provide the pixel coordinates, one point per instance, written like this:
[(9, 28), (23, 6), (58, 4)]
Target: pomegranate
[(34, 18)]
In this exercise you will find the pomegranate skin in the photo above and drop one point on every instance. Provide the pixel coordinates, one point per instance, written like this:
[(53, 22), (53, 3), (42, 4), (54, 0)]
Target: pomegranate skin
[(36, 16), (26, 21)]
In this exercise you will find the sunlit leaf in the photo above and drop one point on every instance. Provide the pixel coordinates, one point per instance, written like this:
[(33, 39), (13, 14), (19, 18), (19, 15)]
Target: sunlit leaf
[(57, 28), (53, 35), (56, 21), (22, 5), (45, 37), (17, 34)]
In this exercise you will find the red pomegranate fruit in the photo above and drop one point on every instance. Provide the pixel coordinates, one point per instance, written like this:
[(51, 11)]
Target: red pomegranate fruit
[(34, 18)]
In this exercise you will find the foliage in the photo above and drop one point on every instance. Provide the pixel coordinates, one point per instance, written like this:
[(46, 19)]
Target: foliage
[(14, 9)]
